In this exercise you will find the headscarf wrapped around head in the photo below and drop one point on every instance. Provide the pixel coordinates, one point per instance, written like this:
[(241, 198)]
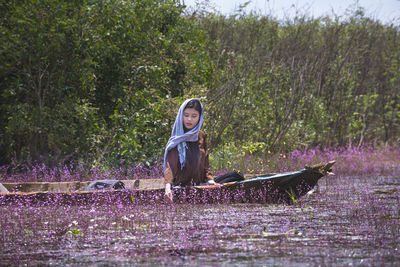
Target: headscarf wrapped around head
[(179, 137)]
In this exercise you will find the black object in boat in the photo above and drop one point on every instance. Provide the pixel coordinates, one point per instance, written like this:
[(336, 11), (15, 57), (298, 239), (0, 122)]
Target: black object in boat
[(105, 185), (229, 177)]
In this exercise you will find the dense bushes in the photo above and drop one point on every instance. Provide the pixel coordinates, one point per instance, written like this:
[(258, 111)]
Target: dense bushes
[(304, 82), (88, 80), (99, 82)]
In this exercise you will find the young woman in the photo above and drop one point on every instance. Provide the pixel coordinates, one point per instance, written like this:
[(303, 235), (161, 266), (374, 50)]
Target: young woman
[(186, 157)]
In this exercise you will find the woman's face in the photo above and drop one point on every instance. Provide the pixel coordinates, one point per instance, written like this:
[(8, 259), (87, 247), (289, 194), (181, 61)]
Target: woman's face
[(190, 118)]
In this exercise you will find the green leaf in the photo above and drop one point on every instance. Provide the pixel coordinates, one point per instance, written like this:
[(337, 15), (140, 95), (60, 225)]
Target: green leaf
[(74, 231)]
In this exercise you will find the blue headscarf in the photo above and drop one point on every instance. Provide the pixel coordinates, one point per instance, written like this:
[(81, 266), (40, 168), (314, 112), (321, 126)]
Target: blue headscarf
[(179, 137)]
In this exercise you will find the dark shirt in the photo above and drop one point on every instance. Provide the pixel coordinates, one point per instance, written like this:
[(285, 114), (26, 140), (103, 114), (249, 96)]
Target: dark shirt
[(197, 166)]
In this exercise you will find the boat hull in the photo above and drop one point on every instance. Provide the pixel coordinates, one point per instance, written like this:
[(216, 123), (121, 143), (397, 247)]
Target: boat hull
[(278, 188)]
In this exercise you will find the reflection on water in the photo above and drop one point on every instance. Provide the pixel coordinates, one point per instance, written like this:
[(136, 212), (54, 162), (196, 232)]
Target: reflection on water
[(351, 220)]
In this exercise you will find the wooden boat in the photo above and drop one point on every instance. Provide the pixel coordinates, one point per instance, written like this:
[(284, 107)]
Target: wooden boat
[(269, 188)]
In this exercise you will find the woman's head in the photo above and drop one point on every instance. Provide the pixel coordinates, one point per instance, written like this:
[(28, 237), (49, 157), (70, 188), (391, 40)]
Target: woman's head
[(191, 114)]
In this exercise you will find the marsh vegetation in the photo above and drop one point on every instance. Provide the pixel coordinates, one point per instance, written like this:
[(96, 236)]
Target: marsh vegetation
[(90, 89), (352, 219)]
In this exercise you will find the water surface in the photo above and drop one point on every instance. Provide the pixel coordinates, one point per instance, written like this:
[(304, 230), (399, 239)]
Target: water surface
[(349, 221)]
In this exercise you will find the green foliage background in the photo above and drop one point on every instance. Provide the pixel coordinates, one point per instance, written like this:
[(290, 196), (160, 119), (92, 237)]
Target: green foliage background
[(99, 82)]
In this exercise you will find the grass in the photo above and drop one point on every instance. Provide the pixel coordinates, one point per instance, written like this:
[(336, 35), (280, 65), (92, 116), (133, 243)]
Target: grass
[(349, 161)]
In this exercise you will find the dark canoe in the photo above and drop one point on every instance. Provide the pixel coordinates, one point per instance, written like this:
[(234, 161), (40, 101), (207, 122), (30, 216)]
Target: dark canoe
[(271, 188)]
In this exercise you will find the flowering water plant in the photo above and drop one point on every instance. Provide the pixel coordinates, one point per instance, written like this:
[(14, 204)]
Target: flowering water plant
[(352, 219), (349, 160)]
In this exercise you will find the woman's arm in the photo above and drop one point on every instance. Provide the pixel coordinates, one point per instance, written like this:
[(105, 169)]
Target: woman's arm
[(169, 174)]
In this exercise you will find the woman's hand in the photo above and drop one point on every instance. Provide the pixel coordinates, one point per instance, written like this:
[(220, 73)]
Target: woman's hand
[(168, 193)]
